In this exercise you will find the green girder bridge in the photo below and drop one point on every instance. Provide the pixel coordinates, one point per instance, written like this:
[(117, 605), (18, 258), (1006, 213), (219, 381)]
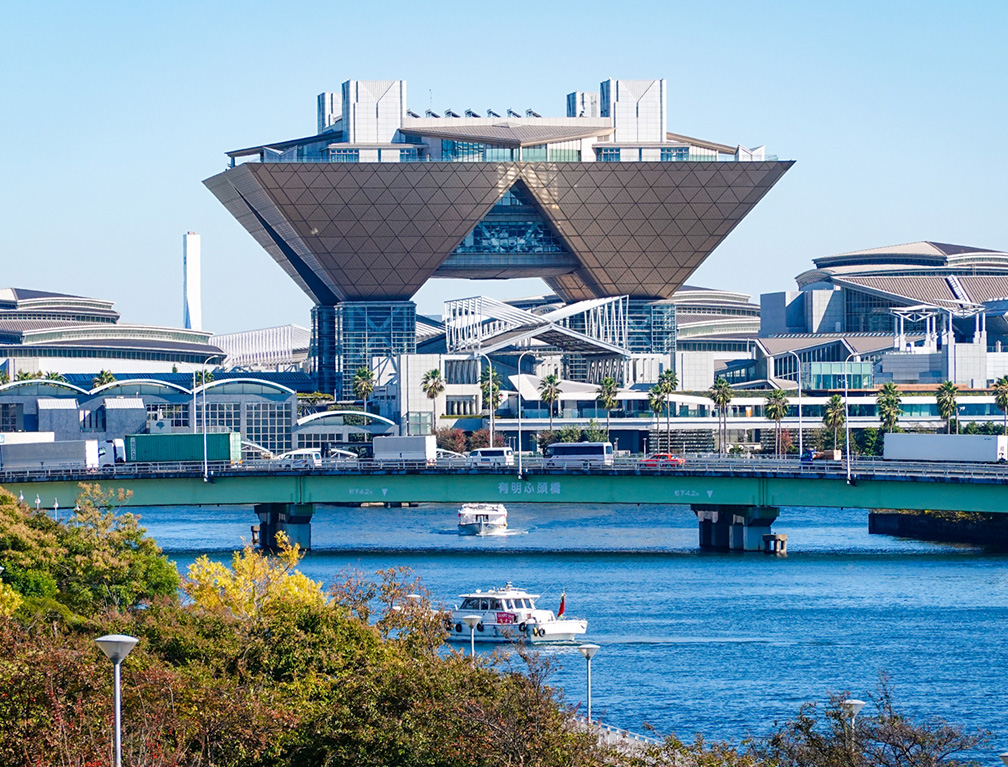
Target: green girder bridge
[(735, 500)]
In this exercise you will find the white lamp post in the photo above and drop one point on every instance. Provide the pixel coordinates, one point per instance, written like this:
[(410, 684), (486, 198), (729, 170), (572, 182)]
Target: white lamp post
[(519, 412), (206, 472), (38, 502), (588, 650), (55, 509), (846, 398), (801, 443), (116, 647), (490, 395), (472, 621), (851, 707)]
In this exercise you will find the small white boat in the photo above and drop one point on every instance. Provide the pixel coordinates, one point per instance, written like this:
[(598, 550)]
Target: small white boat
[(510, 613), (482, 519)]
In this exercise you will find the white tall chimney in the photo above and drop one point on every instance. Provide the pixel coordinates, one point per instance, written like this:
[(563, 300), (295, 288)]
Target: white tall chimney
[(192, 314)]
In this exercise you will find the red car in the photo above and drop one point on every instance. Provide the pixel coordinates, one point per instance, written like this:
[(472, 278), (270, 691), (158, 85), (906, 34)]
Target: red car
[(662, 461)]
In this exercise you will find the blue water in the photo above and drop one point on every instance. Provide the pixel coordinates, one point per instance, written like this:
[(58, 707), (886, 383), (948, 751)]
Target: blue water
[(713, 643)]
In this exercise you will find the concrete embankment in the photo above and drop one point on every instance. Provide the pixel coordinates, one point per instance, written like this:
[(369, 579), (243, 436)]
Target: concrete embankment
[(947, 527)]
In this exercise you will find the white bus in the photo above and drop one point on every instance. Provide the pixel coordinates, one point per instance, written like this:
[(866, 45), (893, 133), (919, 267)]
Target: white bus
[(573, 454)]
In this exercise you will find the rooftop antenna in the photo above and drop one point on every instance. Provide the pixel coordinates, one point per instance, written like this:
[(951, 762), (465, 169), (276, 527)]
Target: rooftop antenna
[(411, 113), (431, 113)]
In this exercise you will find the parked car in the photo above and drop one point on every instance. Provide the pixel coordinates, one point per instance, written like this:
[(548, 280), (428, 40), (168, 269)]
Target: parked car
[(662, 461)]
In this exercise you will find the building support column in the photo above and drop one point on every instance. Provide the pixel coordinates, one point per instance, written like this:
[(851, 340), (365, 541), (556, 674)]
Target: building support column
[(293, 519), (734, 528)]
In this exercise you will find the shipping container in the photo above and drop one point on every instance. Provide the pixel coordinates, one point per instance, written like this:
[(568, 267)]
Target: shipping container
[(406, 448), (154, 448), (972, 448), (39, 456)]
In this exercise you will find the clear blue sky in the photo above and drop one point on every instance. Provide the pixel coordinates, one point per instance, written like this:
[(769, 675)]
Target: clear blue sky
[(111, 115)]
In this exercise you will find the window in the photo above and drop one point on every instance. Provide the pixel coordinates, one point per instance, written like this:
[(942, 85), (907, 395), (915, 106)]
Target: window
[(609, 155), (675, 154), (534, 153), (344, 155)]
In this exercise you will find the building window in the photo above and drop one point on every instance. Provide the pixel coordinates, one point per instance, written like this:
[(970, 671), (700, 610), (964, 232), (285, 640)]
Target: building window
[(409, 155), (609, 155), (268, 425), (175, 414), (675, 154), (344, 155), (534, 153)]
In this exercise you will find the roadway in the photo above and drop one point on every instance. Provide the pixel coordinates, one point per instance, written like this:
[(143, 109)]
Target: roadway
[(703, 480)]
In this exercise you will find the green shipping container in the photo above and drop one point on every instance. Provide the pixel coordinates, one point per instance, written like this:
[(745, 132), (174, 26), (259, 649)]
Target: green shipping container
[(151, 448)]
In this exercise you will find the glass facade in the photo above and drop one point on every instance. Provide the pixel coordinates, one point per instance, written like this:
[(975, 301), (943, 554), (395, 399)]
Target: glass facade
[(221, 417), (825, 376), (513, 225), (368, 329), (609, 155), (864, 313), (174, 413), (675, 154), (651, 327), (344, 155), (269, 424)]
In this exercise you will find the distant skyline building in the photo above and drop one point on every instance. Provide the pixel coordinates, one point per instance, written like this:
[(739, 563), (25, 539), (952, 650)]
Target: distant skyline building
[(601, 203), (192, 311)]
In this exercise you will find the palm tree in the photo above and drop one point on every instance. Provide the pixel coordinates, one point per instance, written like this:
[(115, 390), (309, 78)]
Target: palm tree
[(721, 395), (432, 385), (657, 403), (104, 377), (363, 384), (24, 375), (606, 396), (1001, 399), (549, 392), (775, 407), (202, 377), (946, 400), (52, 375), (834, 417), (887, 402), (667, 382), (491, 388)]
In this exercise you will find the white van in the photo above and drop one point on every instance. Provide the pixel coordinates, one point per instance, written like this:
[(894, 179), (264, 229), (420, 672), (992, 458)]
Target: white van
[(306, 457), (491, 456)]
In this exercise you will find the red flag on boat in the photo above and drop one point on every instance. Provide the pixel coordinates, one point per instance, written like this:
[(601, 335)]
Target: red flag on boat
[(563, 596)]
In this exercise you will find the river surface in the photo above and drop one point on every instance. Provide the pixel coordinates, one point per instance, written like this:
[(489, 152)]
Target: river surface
[(712, 643)]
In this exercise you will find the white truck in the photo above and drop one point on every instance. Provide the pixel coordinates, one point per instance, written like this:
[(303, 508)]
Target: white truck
[(43, 456), (946, 448), (406, 449)]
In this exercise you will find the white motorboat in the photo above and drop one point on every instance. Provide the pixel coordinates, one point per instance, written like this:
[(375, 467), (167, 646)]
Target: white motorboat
[(510, 613), (482, 519)]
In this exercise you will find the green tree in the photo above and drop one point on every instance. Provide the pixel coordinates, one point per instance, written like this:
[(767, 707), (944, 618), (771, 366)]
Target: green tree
[(571, 433), (606, 396), (946, 400), (201, 377), (433, 384), (490, 386), (594, 432), (657, 403), (24, 375), (549, 392), (103, 378), (1001, 400), (4, 377), (834, 416), (887, 404), (775, 407), (363, 384), (721, 395), (53, 375), (667, 382)]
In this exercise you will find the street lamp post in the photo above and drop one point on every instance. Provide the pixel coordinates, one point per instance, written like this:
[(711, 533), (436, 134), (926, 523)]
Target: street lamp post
[(588, 650), (116, 647), (851, 707), (959, 412), (206, 472), (519, 412), (472, 621), (55, 509), (490, 395), (801, 443), (846, 404)]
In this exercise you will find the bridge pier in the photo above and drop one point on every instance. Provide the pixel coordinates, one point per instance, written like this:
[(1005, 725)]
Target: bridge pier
[(734, 528), (294, 519)]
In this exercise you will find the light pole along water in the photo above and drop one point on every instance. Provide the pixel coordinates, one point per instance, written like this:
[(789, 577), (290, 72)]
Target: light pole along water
[(846, 404), (801, 443), (588, 651), (206, 472), (520, 411), (472, 621), (490, 394)]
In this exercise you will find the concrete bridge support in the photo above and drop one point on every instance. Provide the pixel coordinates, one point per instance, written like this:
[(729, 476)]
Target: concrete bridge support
[(294, 519), (734, 528)]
